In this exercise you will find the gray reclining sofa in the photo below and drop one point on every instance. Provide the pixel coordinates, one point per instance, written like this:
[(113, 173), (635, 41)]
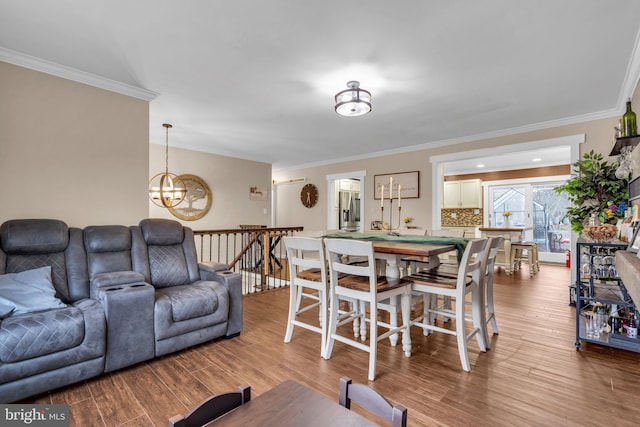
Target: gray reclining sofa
[(77, 303)]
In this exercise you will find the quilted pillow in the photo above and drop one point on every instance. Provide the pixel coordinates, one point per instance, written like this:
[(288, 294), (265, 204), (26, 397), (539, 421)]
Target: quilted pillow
[(28, 291)]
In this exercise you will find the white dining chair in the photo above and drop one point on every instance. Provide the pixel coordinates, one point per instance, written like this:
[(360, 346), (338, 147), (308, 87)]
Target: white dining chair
[(494, 244), (360, 282), (446, 281), (307, 281)]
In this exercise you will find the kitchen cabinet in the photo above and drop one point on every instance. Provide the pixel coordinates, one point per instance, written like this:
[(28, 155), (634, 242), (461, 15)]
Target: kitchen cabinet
[(462, 194)]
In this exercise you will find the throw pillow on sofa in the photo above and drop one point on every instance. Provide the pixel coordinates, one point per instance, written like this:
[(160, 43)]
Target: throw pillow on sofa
[(28, 291)]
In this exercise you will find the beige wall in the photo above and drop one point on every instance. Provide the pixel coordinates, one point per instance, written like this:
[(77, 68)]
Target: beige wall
[(229, 180), (71, 151), (82, 154), (289, 210)]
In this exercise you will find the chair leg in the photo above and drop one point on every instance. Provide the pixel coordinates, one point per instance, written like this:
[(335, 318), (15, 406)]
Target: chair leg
[(333, 323), (363, 322), (373, 341), (405, 307), (446, 303), (491, 310), (393, 319), (324, 327), (356, 322), (294, 302), (479, 322), (462, 337), (427, 315)]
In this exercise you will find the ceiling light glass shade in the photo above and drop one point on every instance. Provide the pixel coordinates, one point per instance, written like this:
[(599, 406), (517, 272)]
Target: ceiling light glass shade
[(166, 189), (354, 101)]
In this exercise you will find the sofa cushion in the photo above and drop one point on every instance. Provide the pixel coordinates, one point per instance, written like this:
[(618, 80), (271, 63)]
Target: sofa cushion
[(168, 266), (107, 238), (32, 335), (6, 311), (191, 301), (34, 236), (162, 231), (29, 291)]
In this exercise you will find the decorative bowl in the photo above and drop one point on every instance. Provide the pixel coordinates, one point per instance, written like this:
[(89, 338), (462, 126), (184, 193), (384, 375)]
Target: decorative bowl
[(603, 233)]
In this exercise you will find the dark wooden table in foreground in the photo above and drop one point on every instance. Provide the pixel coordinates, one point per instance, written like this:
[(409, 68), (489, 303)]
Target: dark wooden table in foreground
[(291, 404)]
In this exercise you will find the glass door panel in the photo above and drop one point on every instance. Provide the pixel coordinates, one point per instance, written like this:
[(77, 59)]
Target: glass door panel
[(508, 198), (551, 230), (537, 208)]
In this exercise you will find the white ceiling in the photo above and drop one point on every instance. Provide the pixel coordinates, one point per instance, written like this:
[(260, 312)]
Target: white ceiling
[(255, 79)]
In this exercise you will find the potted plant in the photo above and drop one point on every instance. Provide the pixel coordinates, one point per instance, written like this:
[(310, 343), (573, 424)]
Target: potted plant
[(594, 190)]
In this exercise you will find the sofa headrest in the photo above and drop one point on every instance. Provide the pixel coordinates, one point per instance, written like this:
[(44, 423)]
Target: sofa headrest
[(107, 238), (34, 236), (162, 232)]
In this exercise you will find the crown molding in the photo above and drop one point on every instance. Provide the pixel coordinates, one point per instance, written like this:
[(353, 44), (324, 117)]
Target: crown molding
[(462, 140), (48, 67)]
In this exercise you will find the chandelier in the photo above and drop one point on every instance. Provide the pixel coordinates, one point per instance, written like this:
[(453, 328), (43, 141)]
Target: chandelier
[(354, 101), (166, 189)]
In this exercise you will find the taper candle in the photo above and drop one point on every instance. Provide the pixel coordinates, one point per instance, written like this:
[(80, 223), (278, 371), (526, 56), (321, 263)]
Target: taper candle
[(399, 194), (391, 188), (381, 195)]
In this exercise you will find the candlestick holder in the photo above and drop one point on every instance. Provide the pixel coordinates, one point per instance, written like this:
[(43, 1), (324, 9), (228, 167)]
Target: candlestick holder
[(393, 231)]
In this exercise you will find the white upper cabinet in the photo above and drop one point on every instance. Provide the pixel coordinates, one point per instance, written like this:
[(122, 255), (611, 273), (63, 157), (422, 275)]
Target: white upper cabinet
[(462, 194)]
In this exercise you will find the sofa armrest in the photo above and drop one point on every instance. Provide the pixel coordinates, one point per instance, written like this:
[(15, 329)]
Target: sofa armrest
[(116, 278), (128, 309), (209, 268), (233, 283)]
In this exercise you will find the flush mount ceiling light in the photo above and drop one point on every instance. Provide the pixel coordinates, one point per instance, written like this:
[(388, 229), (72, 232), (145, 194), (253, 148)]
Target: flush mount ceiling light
[(166, 189), (354, 101)]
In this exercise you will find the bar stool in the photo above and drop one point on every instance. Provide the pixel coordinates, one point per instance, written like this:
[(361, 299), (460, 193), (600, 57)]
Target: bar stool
[(525, 251)]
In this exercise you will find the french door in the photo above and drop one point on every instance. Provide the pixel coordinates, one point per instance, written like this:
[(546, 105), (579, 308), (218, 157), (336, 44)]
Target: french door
[(537, 208)]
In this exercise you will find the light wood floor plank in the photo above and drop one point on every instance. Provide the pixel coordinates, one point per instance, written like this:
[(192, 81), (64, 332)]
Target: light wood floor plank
[(115, 400)]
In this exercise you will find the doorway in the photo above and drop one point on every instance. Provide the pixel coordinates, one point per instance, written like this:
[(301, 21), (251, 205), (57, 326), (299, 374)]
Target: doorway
[(345, 201), (536, 207)]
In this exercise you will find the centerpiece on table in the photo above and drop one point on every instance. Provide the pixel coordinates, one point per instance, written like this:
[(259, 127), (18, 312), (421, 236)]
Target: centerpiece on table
[(506, 215), (598, 197), (407, 220)]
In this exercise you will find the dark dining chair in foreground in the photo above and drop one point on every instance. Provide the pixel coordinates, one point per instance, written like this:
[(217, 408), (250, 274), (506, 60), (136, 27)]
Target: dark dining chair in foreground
[(371, 400), (212, 408)]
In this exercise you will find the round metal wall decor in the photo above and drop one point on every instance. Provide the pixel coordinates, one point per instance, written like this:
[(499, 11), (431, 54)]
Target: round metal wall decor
[(197, 202)]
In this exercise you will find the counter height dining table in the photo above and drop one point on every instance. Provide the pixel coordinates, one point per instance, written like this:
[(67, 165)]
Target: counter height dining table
[(392, 248), (291, 404)]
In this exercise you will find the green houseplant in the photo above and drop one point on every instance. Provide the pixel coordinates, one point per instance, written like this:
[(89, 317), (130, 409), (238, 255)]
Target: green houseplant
[(594, 189)]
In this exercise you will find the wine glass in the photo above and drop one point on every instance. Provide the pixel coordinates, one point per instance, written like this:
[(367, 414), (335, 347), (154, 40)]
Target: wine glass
[(598, 269), (591, 324), (585, 261), (586, 270)]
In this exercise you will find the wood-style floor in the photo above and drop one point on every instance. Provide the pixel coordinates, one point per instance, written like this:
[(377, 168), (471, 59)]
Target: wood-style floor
[(532, 376)]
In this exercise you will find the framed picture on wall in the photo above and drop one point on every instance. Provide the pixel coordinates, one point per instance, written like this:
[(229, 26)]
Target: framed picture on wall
[(407, 182)]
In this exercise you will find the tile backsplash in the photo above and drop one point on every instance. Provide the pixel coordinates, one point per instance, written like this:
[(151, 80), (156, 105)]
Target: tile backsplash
[(461, 217)]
